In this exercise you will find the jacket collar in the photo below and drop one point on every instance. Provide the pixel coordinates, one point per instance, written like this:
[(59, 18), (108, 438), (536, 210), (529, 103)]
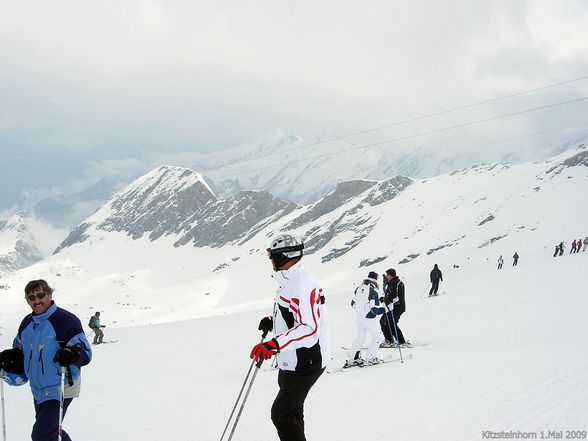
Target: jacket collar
[(283, 276), (39, 318)]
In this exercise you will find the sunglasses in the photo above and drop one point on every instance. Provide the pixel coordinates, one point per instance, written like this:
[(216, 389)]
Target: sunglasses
[(39, 295)]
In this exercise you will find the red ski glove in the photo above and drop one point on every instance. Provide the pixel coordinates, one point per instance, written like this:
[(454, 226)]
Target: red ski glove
[(265, 350)]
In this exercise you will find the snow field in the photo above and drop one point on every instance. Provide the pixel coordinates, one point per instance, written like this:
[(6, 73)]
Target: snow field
[(497, 350)]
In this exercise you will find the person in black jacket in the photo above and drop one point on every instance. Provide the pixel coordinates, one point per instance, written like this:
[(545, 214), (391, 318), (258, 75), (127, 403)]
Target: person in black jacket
[(436, 276), (396, 305)]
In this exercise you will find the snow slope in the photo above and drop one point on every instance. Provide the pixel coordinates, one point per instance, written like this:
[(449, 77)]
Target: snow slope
[(497, 350)]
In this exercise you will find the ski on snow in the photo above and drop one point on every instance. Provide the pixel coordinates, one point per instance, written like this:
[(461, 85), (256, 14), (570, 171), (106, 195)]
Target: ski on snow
[(361, 366)]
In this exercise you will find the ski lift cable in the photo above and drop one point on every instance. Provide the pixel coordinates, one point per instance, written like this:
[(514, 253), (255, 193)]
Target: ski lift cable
[(418, 118), (467, 106), (402, 138)]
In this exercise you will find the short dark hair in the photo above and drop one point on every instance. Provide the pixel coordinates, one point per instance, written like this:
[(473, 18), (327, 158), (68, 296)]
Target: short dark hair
[(391, 272), (36, 284)]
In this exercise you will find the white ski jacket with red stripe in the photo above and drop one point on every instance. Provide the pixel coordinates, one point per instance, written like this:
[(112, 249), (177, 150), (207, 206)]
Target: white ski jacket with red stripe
[(301, 322)]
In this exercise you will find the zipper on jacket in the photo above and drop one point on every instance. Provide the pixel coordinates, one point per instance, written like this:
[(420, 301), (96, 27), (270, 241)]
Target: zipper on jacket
[(41, 361)]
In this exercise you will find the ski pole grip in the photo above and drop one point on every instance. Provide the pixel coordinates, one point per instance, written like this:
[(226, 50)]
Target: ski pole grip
[(69, 376), (264, 334)]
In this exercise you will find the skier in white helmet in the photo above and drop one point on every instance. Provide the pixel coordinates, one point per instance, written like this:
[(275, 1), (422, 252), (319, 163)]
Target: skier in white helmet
[(301, 340)]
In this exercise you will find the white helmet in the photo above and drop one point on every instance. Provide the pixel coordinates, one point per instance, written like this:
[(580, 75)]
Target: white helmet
[(284, 248)]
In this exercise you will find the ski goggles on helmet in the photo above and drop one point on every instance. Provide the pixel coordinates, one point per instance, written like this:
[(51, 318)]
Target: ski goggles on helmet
[(271, 252)]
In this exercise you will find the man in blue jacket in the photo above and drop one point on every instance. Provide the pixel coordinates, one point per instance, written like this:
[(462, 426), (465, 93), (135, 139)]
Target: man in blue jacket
[(48, 339)]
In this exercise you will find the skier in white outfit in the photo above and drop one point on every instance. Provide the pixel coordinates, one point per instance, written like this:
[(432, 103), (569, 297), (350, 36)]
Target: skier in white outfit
[(368, 309)]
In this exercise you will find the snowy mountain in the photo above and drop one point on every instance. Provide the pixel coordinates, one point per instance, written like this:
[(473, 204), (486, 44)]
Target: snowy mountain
[(174, 201), (17, 245), (498, 352), (289, 167), (302, 171), (166, 248)]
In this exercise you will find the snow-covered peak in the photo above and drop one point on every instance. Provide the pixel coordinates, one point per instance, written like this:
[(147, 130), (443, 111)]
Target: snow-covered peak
[(176, 202), (17, 245), (164, 178), (16, 222)]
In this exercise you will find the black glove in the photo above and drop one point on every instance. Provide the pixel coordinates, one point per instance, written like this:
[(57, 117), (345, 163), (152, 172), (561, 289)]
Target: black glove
[(381, 299), (66, 356), (12, 361), (266, 324)]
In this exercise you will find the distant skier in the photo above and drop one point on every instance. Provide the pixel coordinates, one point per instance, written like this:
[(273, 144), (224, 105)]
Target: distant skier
[(436, 276), (556, 251), (561, 248), (579, 245), (367, 307), (396, 305), (500, 262), (585, 243), (301, 340), (573, 250), (515, 259), (95, 325)]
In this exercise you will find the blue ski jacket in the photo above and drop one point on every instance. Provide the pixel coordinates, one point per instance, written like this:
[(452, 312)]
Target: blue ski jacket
[(40, 337)]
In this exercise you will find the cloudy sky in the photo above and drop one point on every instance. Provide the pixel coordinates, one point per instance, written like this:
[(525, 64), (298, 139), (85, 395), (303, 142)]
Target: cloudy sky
[(110, 88)]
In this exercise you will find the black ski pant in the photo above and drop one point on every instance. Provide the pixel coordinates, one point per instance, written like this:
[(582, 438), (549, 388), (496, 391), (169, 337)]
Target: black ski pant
[(46, 424), (388, 327), (288, 407), (434, 287)]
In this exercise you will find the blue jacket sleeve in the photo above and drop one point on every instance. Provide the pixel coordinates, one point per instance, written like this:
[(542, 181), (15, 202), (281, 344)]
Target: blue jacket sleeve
[(374, 300), (69, 332)]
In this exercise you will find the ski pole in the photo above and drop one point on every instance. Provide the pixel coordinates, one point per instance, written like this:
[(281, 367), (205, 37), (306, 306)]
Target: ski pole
[(241, 391), (61, 399), (3, 408), (395, 331), (257, 366), (423, 293)]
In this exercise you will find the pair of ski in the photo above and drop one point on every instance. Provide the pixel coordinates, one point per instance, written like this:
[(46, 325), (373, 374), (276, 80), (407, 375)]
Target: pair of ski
[(384, 360), (407, 345)]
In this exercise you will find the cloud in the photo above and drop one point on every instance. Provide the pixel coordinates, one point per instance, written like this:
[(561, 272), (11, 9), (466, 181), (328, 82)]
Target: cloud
[(47, 237), (7, 213), (104, 89)]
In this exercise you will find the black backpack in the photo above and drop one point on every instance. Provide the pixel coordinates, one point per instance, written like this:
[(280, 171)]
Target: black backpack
[(92, 322)]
